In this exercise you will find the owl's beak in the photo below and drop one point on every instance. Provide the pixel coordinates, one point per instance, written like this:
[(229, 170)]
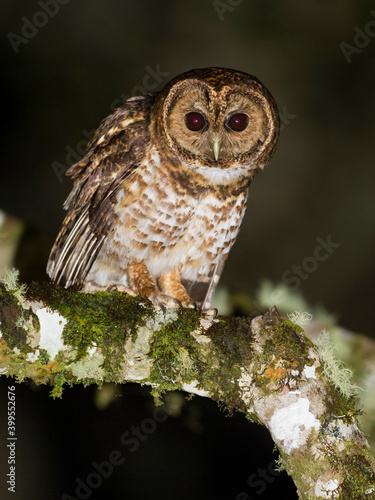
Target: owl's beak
[(216, 146)]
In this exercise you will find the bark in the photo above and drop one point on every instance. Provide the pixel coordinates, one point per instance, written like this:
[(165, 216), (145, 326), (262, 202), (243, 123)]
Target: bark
[(265, 367)]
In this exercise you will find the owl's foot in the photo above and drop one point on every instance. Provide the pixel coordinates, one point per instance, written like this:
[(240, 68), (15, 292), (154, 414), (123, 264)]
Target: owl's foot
[(170, 284), (171, 294)]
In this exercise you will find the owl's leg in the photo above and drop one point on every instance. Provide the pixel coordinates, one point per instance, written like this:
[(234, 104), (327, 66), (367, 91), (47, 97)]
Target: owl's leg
[(170, 283), (143, 283)]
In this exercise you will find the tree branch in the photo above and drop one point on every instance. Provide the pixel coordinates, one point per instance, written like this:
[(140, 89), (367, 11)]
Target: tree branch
[(265, 367)]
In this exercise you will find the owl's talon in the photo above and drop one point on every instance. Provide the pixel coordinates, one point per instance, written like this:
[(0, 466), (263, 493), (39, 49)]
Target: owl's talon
[(179, 304), (162, 308)]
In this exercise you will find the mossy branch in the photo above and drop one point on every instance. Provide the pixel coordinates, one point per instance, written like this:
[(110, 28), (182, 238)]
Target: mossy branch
[(265, 367)]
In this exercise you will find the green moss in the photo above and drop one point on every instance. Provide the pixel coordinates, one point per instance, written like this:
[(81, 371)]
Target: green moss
[(231, 350), (10, 314), (178, 357), (173, 348), (355, 464), (58, 382), (339, 406), (300, 467), (43, 357), (18, 367), (285, 351), (231, 336), (104, 318), (288, 342)]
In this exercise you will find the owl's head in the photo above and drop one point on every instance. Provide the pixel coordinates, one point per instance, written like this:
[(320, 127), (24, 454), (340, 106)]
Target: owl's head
[(216, 117)]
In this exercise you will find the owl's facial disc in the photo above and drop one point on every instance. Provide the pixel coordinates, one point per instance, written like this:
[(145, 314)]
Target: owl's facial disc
[(216, 127)]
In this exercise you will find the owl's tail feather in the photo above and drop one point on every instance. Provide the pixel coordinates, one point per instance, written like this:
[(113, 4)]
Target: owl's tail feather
[(202, 288), (74, 251)]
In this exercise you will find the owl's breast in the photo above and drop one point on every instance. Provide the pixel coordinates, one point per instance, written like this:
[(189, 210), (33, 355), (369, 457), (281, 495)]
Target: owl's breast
[(153, 215), (212, 233), (169, 226)]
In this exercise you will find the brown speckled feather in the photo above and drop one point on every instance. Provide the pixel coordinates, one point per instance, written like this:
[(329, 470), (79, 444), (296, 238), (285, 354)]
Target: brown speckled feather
[(116, 149)]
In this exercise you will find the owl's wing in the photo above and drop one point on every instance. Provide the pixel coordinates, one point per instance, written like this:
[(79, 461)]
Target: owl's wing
[(202, 288), (117, 149)]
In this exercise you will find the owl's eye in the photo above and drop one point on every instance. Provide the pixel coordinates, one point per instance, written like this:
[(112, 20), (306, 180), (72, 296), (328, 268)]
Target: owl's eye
[(237, 122), (195, 121)]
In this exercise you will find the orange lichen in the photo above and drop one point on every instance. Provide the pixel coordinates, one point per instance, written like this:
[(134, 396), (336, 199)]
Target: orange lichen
[(274, 374)]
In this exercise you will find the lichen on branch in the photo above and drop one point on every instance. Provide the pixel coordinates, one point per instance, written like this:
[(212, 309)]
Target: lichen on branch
[(265, 367)]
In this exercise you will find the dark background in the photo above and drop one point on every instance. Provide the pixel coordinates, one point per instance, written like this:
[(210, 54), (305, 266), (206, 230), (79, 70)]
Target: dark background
[(68, 77)]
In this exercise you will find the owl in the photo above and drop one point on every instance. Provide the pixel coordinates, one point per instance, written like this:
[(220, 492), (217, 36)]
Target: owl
[(159, 198)]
